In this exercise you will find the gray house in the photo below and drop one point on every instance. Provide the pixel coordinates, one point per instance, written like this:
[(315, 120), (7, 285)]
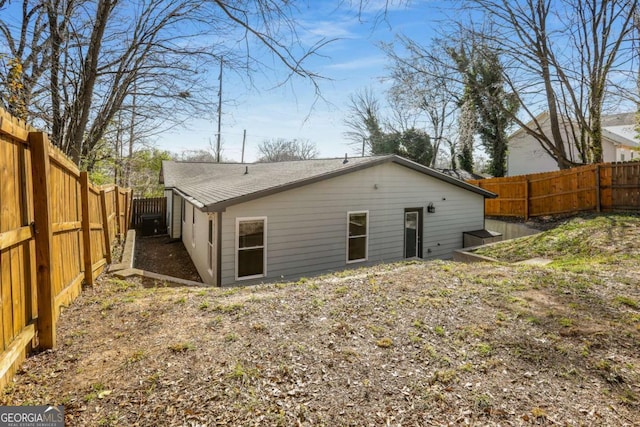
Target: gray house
[(247, 223)]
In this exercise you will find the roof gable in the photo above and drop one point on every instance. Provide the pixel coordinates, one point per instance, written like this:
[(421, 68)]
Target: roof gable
[(619, 128), (215, 186)]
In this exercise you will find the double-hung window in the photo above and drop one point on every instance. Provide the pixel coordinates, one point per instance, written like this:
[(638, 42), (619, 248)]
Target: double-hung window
[(251, 247), (357, 236)]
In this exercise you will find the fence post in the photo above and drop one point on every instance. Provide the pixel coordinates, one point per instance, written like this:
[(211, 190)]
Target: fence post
[(105, 226), (526, 197), (119, 230), (129, 209), (86, 228), (43, 239), (598, 207)]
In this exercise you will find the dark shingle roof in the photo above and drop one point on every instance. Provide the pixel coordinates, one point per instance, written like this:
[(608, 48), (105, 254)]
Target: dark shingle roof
[(217, 185), (461, 174)]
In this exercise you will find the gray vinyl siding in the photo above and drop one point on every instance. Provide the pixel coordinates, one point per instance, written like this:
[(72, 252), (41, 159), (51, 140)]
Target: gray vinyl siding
[(168, 194), (198, 251), (186, 227), (307, 226), (176, 222)]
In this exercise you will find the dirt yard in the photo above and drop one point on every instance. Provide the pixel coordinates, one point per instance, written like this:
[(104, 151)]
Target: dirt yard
[(414, 344), (164, 255)]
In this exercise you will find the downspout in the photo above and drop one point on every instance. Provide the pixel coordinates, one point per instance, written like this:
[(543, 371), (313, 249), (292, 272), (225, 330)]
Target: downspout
[(182, 210)]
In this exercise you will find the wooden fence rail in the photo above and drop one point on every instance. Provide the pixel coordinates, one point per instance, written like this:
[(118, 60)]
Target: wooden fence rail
[(599, 187), (56, 231)]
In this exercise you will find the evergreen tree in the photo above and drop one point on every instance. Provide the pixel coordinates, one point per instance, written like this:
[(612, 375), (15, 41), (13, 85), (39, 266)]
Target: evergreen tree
[(467, 130), (493, 106), (413, 144)]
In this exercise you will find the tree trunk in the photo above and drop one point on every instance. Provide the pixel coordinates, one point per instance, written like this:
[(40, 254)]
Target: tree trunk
[(82, 105), (558, 145), (127, 175), (54, 74)]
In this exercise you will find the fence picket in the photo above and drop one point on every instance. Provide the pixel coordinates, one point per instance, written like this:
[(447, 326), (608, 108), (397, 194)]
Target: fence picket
[(601, 187), (43, 219)]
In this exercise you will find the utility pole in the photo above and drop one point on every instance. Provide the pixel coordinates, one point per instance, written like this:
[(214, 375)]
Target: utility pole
[(219, 111)]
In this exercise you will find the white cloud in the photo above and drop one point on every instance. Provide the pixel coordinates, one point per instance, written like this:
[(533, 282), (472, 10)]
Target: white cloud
[(369, 62), (330, 29)]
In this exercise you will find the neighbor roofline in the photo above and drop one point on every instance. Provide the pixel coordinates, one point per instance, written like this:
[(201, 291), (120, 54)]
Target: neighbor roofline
[(221, 206), (523, 129), (543, 116), (617, 139)]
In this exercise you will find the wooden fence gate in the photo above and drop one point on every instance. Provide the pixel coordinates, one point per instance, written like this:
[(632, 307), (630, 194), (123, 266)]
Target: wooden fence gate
[(151, 209)]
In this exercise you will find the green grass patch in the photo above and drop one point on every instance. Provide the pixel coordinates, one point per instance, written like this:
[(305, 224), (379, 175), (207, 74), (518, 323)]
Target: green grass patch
[(484, 349), (121, 285), (565, 322), (240, 371), (182, 347), (136, 356), (444, 376), (229, 308), (231, 337), (576, 244), (629, 302), (385, 342)]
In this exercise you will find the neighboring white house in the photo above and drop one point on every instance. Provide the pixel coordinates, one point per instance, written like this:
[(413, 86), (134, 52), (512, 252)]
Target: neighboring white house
[(247, 223), (526, 155)]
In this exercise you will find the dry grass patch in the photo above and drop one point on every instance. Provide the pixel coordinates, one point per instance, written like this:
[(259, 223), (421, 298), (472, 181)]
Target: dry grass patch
[(404, 344)]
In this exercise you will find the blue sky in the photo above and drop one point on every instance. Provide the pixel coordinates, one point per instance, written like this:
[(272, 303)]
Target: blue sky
[(350, 64)]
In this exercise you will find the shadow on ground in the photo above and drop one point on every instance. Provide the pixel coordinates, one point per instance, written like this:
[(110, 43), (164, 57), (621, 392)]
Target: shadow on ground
[(164, 255)]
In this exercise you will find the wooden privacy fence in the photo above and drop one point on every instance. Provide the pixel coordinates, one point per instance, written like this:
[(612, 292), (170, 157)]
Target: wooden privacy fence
[(599, 187), (56, 231), (149, 206)]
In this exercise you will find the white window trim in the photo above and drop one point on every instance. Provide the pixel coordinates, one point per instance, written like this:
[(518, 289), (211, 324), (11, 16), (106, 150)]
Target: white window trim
[(210, 261), (264, 246), (366, 246)]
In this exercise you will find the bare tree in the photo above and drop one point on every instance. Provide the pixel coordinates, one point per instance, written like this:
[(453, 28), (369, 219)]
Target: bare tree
[(363, 121), (92, 57), (24, 59), (397, 135), (204, 156), (424, 89), (281, 150), (604, 28), (143, 180), (569, 51)]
